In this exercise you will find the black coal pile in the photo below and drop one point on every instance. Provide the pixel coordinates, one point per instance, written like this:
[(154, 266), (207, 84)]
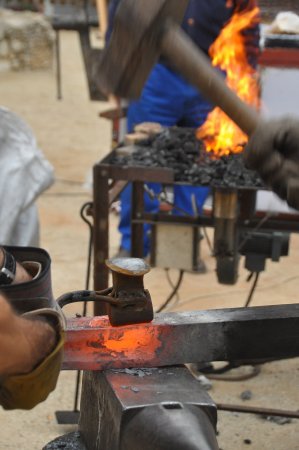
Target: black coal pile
[(178, 149)]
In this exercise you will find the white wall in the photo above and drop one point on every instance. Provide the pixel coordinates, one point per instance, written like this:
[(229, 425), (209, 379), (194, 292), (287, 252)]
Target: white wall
[(280, 92)]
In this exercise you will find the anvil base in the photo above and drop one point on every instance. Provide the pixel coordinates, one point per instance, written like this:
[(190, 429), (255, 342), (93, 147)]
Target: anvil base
[(148, 409)]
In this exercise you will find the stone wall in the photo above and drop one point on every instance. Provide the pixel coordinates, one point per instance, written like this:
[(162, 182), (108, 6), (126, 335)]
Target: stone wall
[(26, 40)]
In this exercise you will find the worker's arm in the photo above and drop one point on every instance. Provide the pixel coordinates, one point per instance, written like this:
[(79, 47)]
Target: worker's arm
[(30, 356), (24, 342), (30, 348), (273, 151)]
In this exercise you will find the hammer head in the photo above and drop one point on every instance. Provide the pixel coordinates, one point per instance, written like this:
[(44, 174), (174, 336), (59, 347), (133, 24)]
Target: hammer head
[(134, 45)]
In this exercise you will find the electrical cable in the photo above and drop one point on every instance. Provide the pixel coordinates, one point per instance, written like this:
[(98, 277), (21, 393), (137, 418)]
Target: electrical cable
[(239, 291), (259, 225), (208, 240), (217, 374), (162, 197), (253, 287), (173, 293), (177, 295)]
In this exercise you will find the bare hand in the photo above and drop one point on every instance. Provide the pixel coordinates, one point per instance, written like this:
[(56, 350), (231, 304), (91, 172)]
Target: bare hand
[(273, 151)]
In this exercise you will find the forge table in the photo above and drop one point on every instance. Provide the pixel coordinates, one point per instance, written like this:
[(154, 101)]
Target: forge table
[(110, 180)]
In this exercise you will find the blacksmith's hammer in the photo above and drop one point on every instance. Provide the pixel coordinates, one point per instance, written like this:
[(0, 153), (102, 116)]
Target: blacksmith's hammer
[(144, 30)]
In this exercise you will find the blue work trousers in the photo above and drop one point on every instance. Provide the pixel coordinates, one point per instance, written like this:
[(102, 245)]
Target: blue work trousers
[(169, 100)]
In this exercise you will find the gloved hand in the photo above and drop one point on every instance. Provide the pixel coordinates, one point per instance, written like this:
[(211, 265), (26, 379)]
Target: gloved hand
[(24, 341), (273, 151), (31, 332)]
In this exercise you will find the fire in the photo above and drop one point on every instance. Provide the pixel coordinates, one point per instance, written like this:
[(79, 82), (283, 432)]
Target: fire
[(220, 134)]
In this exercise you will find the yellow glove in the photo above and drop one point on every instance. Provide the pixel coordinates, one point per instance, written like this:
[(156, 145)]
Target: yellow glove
[(26, 391)]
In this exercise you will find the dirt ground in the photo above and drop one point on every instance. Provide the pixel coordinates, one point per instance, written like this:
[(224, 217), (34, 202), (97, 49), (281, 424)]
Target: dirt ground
[(73, 138)]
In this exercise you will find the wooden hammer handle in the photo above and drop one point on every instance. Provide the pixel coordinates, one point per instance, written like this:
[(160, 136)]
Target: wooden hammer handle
[(196, 67)]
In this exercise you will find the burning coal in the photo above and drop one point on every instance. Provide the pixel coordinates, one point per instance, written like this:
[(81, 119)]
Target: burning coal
[(179, 149)]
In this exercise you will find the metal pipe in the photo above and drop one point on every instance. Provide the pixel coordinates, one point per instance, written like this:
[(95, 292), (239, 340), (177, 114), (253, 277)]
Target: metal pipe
[(225, 212), (225, 204)]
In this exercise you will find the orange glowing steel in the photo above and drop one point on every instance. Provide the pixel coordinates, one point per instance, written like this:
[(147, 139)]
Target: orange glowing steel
[(130, 341), (220, 134), (134, 342)]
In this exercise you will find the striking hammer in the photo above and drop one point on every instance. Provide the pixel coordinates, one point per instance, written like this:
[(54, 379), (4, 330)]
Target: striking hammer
[(144, 30)]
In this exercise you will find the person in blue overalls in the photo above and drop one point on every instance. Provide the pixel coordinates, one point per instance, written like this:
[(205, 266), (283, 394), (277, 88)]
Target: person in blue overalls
[(168, 99)]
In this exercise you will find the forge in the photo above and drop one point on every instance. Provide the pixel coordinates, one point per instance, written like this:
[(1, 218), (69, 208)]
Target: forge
[(237, 210), (179, 150)]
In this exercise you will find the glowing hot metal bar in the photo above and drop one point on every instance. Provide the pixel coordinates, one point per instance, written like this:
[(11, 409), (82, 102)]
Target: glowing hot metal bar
[(216, 335)]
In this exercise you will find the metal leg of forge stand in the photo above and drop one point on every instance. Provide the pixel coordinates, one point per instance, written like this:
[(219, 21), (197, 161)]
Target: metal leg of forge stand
[(137, 228), (101, 232), (226, 235)]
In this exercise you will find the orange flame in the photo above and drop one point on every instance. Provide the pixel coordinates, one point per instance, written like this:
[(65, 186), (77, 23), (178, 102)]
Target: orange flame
[(220, 134)]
